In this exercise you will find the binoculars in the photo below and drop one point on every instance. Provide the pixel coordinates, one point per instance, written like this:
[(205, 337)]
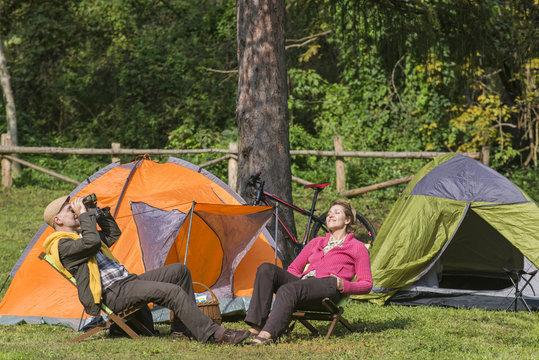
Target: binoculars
[(90, 201)]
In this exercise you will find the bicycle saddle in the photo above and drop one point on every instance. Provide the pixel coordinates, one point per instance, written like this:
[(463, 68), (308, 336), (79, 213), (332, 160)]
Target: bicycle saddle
[(318, 186)]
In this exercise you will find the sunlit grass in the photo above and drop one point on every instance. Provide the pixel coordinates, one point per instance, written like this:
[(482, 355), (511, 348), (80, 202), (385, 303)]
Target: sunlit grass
[(390, 332)]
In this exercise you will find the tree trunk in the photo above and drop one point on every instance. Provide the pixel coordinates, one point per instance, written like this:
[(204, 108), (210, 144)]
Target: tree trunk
[(10, 104), (262, 112)]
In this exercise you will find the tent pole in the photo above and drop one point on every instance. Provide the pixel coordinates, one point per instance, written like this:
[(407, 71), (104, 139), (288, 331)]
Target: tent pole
[(80, 321), (189, 232), (124, 188), (276, 230)]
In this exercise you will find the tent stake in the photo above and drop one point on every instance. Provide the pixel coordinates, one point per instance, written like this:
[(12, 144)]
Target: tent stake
[(189, 232)]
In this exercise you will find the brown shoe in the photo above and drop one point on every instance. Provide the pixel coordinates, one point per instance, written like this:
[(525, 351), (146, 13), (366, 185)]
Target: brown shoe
[(232, 337)]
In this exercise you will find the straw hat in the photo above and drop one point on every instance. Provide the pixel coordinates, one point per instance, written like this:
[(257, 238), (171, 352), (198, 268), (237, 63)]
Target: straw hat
[(54, 208)]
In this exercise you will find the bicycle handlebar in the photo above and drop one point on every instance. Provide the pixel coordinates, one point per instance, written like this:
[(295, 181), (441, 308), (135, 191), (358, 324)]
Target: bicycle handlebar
[(254, 179)]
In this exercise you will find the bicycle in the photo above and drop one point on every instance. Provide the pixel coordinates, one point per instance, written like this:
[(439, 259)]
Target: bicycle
[(364, 232)]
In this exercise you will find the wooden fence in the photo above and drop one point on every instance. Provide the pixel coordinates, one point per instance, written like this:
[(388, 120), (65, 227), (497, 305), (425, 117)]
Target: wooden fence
[(8, 154)]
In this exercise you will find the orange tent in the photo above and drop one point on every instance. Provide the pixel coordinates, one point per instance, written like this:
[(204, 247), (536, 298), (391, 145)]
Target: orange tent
[(162, 210)]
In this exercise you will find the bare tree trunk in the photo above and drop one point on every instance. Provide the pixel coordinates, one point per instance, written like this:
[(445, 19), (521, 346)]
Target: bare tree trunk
[(10, 104), (262, 112)]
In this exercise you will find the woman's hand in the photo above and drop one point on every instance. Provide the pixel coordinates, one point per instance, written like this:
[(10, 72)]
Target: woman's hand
[(340, 282)]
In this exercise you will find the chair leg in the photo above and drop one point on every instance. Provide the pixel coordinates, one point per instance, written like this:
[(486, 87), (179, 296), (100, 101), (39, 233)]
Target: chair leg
[(309, 326), (333, 314), (347, 324), (113, 318), (123, 326), (90, 332), (510, 305), (143, 330), (290, 328), (331, 327), (525, 304), (128, 315)]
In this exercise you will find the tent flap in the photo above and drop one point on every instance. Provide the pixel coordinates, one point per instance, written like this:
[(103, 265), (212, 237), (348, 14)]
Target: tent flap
[(157, 230), (417, 236)]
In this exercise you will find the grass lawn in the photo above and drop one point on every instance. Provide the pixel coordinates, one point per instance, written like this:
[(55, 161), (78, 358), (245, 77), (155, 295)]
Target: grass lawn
[(385, 333), (389, 332)]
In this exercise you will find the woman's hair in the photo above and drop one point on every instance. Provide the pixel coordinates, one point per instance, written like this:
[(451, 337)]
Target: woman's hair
[(348, 212)]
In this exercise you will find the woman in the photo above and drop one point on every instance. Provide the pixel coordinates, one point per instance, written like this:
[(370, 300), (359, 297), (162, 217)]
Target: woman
[(324, 268)]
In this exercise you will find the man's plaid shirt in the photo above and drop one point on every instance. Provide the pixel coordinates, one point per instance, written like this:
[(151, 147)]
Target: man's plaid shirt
[(109, 270)]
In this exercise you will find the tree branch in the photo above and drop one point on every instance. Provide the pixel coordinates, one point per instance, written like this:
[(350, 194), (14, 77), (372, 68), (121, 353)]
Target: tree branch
[(235, 71), (310, 37), (304, 41)]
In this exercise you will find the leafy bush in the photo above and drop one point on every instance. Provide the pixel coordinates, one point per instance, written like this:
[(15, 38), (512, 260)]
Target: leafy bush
[(526, 178)]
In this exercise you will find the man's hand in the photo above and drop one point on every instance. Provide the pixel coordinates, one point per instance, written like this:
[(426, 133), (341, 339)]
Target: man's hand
[(77, 206)]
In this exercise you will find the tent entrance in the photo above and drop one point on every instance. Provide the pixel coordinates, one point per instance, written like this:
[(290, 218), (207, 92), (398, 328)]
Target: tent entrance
[(477, 256)]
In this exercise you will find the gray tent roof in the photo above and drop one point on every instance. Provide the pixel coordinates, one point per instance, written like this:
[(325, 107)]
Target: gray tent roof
[(465, 179)]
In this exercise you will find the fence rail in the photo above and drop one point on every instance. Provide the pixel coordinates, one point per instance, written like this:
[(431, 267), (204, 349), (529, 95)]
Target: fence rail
[(8, 154), (90, 151)]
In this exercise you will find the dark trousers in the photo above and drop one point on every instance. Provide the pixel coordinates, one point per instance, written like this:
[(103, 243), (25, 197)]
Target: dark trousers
[(290, 293), (169, 286)]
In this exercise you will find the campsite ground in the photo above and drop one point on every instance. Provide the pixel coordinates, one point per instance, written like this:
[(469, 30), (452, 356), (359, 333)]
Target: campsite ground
[(390, 332), (386, 333)]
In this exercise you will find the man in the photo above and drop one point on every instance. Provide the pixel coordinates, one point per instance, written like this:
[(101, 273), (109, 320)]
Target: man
[(101, 278)]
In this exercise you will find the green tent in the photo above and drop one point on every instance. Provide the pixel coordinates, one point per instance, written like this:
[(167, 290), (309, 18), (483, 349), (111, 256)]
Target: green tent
[(452, 235)]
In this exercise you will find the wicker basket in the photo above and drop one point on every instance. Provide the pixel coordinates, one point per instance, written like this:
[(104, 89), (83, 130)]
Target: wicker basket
[(210, 307)]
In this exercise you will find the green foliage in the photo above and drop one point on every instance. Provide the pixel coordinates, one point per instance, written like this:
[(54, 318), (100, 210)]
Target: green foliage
[(370, 115), (189, 136), (118, 71), (526, 178), (406, 67), (432, 75), (482, 124)]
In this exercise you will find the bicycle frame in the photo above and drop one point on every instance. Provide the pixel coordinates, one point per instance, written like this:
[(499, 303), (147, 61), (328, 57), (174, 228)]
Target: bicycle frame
[(261, 196)]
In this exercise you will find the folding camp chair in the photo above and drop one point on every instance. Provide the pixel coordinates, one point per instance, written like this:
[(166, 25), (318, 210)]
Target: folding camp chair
[(113, 318), (515, 275), (326, 311), (329, 311)]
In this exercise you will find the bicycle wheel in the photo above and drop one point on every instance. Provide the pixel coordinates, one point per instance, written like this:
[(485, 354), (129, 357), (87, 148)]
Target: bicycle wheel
[(364, 230)]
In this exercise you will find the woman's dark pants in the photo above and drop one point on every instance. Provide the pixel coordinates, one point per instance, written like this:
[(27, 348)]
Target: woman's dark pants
[(290, 293)]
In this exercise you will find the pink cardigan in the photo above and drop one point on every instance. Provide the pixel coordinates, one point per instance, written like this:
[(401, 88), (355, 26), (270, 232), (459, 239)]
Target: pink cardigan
[(352, 258)]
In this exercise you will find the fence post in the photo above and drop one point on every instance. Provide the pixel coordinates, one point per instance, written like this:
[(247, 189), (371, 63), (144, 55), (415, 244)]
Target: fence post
[(339, 164), (7, 179), (484, 155), (115, 151), (233, 166)]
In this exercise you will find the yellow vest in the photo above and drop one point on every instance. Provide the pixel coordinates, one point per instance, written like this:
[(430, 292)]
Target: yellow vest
[(51, 246)]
